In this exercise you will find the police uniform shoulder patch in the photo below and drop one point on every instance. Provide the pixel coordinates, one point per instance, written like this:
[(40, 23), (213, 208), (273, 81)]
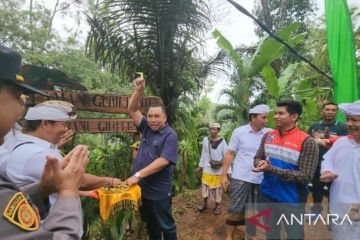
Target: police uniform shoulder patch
[(20, 213)]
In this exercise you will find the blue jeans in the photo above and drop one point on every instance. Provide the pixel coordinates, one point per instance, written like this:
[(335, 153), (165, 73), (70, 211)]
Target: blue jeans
[(158, 217)]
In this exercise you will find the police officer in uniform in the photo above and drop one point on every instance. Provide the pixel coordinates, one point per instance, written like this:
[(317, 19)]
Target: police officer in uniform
[(19, 218)]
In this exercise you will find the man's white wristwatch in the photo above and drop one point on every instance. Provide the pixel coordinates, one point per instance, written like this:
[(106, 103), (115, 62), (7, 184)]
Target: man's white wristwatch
[(137, 175)]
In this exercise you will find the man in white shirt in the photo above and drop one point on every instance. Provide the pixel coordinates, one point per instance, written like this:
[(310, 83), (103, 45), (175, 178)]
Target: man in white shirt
[(10, 141), (45, 125), (211, 160), (19, 218), (13, 137), (341, 165), (244, 143)]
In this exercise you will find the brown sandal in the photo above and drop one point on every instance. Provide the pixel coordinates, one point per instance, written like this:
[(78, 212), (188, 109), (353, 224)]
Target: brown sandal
[(217, 210)]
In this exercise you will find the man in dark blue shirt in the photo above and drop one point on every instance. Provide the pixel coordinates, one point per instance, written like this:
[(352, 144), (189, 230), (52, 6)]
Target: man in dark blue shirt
[(153, 167)]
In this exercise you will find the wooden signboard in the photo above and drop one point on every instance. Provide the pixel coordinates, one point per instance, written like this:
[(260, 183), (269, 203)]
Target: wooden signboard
[(103, 125), (108, 103)]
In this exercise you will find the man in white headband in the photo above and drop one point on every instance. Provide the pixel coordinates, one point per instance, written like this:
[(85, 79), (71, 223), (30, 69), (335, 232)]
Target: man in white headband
[(341, 165), (244, 142), (52, 110), (212, 155), (44, 126), (19, 218), (12, 138)]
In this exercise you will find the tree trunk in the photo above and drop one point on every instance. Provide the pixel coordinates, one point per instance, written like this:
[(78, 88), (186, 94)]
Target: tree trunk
[(184, 176), (283, 12), (53, 16), (266, 10), (31, 24), (276, 64)]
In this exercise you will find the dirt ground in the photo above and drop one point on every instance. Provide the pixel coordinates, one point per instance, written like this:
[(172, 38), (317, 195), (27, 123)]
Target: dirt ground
[(192, 225)]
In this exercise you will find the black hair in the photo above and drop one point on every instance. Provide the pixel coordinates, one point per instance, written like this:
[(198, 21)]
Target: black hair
[(253, 115), (329, 103), (292, 107), (33, 125), (160, 105)]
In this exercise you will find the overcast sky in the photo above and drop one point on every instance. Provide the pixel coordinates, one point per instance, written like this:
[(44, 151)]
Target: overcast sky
[(236, 27)]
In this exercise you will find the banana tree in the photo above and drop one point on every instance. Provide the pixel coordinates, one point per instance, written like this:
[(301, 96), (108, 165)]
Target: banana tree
[(287, 86), (191, 127), (247, 68)]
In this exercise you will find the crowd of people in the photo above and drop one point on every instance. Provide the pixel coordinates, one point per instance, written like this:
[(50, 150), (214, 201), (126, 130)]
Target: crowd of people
[(274, 169), (40, 186), (261, 168)]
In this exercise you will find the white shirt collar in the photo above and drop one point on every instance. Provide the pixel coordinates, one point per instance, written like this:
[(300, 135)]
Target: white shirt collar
[(251, 130), (39, 141)]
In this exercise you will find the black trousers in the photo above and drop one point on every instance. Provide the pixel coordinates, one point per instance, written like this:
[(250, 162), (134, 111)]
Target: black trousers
[(158, 217), (318, 191)]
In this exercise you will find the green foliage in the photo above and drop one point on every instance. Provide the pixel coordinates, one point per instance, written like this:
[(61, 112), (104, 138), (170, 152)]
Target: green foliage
[(159, 38), (79, 67), (311, 113), (269, 49), (191, 126), (16, 30), (40, 46), (286, 76), (276, 14), (115, 227), (229, 50), (291, 83), (111, 160), (248, 68), (271, 81), (288, 87), (114, 159)]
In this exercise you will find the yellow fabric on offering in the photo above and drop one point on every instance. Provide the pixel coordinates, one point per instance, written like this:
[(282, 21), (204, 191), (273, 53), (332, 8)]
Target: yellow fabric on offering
[(213, 181), (118, 197)]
